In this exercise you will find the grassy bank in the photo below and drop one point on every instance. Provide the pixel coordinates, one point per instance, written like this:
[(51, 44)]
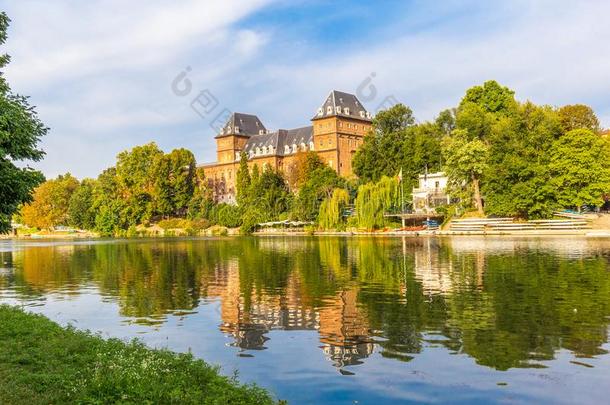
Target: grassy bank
[(44, 363)]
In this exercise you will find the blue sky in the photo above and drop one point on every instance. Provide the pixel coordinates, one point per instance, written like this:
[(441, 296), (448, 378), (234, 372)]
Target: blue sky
[(101, 72)]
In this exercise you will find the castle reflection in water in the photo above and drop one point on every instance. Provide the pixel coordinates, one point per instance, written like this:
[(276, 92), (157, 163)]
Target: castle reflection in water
[(502, 301)]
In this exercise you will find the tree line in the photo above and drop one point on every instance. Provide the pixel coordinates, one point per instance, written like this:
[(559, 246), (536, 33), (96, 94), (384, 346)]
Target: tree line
[(502, 157)]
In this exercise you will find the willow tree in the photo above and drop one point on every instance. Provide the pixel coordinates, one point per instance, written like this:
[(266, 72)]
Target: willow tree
[(330, 216), (374, 200)]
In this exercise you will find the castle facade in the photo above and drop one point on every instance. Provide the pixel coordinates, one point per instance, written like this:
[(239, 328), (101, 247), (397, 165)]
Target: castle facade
[(337, 130)]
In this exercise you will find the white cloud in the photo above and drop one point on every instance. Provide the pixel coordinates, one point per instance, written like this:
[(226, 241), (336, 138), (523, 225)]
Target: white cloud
[(100, 71)]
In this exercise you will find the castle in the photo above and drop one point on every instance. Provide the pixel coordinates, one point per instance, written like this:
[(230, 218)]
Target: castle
[(337, 130)]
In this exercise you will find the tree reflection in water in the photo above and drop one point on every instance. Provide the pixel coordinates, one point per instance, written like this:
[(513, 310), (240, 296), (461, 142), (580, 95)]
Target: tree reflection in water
[(506, 303)]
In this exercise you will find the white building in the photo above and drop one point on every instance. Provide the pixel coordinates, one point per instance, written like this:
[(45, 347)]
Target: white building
[(430, 193)]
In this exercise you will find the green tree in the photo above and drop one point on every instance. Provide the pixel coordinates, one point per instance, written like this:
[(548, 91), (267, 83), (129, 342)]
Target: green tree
[(20, 132), (242, 180), (317, 186), (135, 179), (384, 149), (331, 209), (580, 168), (517, 181), (174, 184), (578, 116), (50, 206), (466, 161), (376, 199), (80, 209)]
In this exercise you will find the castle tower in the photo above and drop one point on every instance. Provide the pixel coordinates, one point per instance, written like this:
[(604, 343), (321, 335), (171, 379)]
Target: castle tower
[(339, 128), (234, 135)]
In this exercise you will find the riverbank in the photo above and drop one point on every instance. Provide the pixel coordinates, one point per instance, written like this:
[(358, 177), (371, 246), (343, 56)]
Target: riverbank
[(42, 363)]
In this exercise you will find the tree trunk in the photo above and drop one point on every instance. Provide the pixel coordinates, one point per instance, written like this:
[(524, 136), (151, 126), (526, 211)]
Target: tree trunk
[(477, 195)]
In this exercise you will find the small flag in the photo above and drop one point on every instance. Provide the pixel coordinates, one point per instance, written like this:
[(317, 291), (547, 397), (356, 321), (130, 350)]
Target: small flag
[(400, 175)]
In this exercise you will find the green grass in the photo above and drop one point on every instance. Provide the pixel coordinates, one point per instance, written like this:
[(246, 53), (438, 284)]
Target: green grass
[(44, 363)]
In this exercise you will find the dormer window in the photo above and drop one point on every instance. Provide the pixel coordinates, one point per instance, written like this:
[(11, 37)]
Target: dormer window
[(346, 111), (310, 145), (294, 148), (261, 132), (264, 150), (320, 112), (237, 130), (329, 110), (258, 151), (368, 115), (303, 146), (338, 109), (228, 130), (270, 149), (286, 149), (362, 114)]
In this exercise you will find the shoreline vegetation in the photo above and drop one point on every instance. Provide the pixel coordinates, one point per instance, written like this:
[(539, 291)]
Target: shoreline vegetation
[(502, 158), (42, 363)]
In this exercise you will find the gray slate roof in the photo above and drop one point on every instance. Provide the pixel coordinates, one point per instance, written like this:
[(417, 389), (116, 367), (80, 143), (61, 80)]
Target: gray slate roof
[(340, 104), (246, 125), (279, 139)]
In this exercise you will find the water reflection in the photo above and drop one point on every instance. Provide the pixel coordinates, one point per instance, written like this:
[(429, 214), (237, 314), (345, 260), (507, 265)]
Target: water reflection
[(505, 303)]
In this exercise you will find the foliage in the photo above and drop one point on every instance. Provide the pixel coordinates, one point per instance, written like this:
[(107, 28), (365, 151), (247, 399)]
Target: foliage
[(300, 171), (80, 209), (578, 116), (331, 209), (318, 185), (465, 162), (51, 203), (396, 143), (580, 168), (227, 215), (20, 133), (374, 200), (42, 362), (517, 181), (174, 175), (266, 198), (242, 178)]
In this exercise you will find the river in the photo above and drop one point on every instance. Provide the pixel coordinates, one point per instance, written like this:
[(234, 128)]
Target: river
[(345, 320)]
